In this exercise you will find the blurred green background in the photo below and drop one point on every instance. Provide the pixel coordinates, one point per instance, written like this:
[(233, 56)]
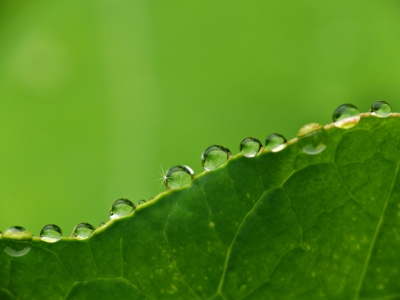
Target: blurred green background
[(96, 96)]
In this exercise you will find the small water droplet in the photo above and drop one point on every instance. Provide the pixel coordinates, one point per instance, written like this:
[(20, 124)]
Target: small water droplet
[(83, 230), (102, 224), (346, 116), (51, 233), (142, 202), (381, 109), (178, 176), (312, 138), (16, 241), (275, 142), (120, 208), (250, 147), (214, 157)]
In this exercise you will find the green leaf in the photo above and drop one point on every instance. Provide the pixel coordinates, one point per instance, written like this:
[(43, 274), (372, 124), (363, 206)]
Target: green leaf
[(283, 225)]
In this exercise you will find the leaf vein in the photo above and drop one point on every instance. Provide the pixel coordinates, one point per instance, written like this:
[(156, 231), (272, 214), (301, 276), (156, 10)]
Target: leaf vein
[(233, 241), (174, 261), (8, 292), (61, 263), (271, 273), (374, 238)]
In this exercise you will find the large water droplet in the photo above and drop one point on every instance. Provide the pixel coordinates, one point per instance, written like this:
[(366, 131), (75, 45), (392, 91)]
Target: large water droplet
[(178, 176), (381, 109), (312, 138), (51, 233), (346, 116), (16, 241), (120, 208), (250, 147), (214, 157), (275, 142), (83, 230)]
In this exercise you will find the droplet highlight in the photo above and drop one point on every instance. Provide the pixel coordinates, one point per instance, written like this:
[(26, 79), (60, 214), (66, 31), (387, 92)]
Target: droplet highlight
[(275, 142), (250, 147), (214, 157), (16, 241), (82, 230), (120, 208), (381, 109), (313, 138), (178, 176), (51, 233), (346, 116)]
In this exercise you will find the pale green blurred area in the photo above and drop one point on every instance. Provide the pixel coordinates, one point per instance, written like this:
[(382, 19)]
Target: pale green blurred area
[(96, 96)]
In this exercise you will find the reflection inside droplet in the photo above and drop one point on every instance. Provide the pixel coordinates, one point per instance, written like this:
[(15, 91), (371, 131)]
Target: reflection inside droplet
[(346, 116), (121, 207), (214, 157), (381, 109), (16, 241), (312, 138), (275, 142), (51, 233), (250, 147), (178, 176), (83, 230)]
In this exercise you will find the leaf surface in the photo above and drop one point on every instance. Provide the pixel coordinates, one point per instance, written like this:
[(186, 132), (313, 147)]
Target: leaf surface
[(283, 225)]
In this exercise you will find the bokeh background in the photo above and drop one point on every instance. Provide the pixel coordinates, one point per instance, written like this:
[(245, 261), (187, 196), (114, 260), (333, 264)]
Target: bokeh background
[(97, 96)]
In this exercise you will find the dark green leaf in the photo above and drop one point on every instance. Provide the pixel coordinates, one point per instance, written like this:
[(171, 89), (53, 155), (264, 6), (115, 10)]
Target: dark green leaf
[(283, 225)]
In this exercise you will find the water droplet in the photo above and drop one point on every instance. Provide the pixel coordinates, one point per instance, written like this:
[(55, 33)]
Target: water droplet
[(178, 176), (142, 202), (51, 233), (16, 241), (83, 230), (120, 208), (250, 147), (102, 224), (214, 157), (312, 138), (275, 142), (381, 109), (346, 116)]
